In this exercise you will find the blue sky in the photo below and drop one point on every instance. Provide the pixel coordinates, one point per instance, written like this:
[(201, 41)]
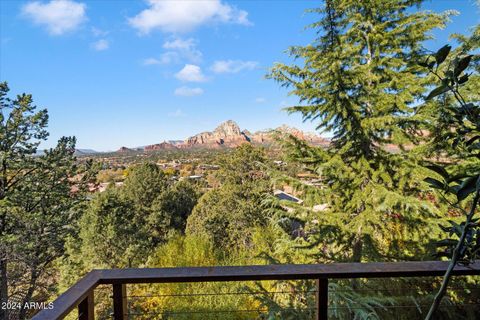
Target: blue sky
[(131, 73)]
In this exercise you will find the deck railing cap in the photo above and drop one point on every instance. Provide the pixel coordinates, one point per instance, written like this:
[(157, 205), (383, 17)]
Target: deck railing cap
[(75, 294)]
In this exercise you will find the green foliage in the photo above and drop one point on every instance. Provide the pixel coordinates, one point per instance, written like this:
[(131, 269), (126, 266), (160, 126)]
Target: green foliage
[(143, 184), (41, 199), (110, 175), (457, 180), (112, 232), (461, 130), (361, 81), (227, 214), (245, 166), (357, 81), (172, 207), (166, 300), (123, 225)]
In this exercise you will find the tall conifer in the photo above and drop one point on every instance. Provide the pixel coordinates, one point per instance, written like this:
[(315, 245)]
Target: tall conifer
[(359, 81)]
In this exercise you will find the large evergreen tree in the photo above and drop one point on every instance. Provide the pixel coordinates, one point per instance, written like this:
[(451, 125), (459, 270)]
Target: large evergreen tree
[(358, 80), (39, 201)]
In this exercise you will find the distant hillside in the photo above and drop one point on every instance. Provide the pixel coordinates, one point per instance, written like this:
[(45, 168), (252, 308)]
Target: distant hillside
[(228, 134), (160, 146), (78, 152), (125, 149), (81, 152)]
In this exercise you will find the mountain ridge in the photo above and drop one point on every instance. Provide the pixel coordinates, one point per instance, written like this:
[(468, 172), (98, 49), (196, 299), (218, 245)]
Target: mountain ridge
[(229, 134)]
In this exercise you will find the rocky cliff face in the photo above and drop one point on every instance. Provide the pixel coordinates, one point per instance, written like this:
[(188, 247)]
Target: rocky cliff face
[(160, 146), (307, 136), (229, 134), (227, 129)]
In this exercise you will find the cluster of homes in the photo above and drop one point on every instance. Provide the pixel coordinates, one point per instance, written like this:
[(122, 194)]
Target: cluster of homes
[(193, 169)]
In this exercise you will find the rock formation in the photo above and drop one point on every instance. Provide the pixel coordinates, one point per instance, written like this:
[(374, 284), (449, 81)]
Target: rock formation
[(124, 149), (228, 135), (160, 146)]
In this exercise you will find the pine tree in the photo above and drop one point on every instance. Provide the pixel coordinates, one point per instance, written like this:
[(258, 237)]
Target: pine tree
[(359, 81), (38, 209)]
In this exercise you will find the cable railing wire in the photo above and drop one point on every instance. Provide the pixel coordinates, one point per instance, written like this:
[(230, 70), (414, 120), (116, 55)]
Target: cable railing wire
[(170, 312), (402, 290), (353, 307), (215, 311)]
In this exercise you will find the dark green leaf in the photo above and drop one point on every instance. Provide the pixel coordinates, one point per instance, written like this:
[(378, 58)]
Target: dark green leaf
[(424, 63), (434, 183), (463, 79), (467, 187), (438, 169), (446, 242), (457, 229), (462, 64), (437, 91), (442, 53), (444, 228)]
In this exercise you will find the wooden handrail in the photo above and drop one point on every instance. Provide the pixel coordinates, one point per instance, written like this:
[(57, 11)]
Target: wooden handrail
[(83, 289), (71, 298)]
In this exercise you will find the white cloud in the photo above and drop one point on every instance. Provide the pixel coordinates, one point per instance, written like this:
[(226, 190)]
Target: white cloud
[(58, 16), (178, 50), (100, 45), (169, 57), (260, 100), (188, 92), (191, 73), (184, 49), (177, 114), (186, 15), (151, 61), (99, 32), (180, 44), (165, 58), (233, 66)]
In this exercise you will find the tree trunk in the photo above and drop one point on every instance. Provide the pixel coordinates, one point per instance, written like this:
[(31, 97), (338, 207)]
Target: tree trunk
[(3, 287), (3, 254), (28, 296), (357, 248)]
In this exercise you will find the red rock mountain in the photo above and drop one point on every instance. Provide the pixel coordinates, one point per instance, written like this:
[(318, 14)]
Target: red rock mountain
[(228, 134), (124, 149), (160, 146)]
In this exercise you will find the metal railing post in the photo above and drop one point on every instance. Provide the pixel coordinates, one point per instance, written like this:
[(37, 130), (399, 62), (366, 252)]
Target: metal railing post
[(119, 302), (322, 299), (86, 308)]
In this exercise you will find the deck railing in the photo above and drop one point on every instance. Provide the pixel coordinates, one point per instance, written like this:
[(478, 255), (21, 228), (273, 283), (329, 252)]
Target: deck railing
[(81, 295)]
